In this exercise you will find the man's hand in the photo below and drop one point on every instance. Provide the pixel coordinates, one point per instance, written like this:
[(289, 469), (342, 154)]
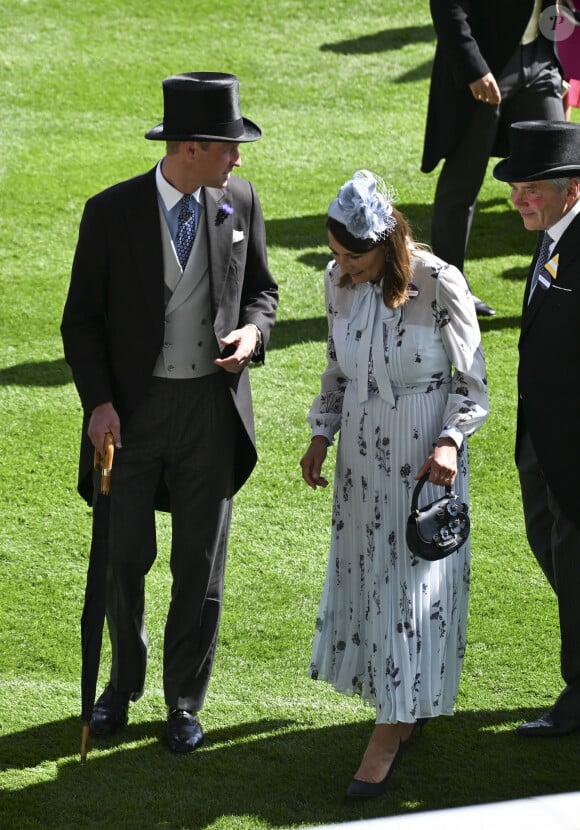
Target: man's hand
[(104, 419), (486, 89), (244, 342)]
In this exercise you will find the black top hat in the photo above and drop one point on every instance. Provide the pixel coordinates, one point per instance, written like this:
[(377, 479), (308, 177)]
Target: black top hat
[(203, 106), (541, 150)]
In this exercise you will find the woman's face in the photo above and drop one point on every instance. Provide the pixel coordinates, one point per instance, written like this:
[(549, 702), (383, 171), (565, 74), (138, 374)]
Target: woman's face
[(368, 267)]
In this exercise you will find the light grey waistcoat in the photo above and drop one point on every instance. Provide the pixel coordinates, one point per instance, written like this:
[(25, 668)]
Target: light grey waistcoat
[(189, 344)]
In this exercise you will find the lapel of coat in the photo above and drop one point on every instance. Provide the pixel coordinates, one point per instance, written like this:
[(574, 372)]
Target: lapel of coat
[(568, 247), (145, 236), (219, 242), (529, 309)]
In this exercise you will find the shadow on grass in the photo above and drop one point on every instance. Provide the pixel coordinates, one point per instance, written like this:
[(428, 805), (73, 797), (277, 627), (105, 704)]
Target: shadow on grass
[(389, 40), (274, 772), (384, 41), (292, 332), (498, 323), (43, 373), (516, 274)]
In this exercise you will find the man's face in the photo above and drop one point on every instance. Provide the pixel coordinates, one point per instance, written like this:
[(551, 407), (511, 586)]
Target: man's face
[(214, 161), (540, 203)]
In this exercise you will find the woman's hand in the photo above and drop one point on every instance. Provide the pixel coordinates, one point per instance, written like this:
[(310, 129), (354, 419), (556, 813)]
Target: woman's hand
[(312, 461), (442, 462)]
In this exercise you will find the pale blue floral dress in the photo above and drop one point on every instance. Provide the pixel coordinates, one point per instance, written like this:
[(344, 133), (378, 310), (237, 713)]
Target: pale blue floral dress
[(392, 627)]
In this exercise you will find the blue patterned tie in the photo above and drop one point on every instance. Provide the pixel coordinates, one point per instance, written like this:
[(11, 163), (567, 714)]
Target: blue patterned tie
[(186, 228), (540, 262)]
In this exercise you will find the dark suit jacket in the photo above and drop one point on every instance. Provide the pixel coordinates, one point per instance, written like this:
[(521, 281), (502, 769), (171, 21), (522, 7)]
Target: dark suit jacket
[(549, 374), (474, 37), (113, 321)]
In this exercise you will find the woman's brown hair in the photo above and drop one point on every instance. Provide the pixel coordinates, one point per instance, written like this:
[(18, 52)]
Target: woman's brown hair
[(397, 256)]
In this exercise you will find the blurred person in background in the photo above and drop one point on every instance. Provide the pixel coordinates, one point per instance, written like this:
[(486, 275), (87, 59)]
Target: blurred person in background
[(493, 65), (567, 40)]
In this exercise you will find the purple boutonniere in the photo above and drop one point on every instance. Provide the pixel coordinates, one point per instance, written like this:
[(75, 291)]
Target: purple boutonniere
[(224, 210)]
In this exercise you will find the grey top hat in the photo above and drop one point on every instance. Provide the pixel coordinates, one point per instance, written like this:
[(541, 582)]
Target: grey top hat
[(541, 150), (203, 106)]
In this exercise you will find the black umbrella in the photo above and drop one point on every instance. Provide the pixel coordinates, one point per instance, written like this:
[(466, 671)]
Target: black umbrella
[(93, 616)]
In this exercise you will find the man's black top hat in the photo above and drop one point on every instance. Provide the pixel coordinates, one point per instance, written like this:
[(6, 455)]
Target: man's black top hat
[(203, 106), (541, 150)]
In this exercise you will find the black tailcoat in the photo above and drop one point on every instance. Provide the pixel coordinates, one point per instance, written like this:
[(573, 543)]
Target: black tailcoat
[(113, 322), (474, 37), (549, 374)]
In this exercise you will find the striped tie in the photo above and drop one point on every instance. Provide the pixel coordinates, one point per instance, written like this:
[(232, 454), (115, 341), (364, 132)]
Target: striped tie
[(540, 262)]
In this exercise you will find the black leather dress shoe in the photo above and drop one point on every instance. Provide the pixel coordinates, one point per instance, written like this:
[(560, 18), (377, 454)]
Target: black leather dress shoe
[(483, 309), (367, 789), (184, 732), (561, 719), (548, 726), (110, 713)]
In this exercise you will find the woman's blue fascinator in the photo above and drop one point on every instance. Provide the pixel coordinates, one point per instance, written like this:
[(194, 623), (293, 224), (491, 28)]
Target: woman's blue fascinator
[(364, 205)]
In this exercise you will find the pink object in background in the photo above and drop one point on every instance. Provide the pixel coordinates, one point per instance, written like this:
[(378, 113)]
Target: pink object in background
[(568, 51)]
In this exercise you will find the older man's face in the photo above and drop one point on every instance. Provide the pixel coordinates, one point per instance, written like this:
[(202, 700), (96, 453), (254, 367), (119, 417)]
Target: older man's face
[(541, 204)]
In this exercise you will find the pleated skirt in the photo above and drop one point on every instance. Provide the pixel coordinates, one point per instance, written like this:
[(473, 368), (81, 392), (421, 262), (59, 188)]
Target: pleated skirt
[(391, 627)]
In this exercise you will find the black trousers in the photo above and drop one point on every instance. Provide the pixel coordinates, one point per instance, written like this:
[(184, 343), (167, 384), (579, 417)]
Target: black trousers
[(555, 542), (531, 89), (184, 431)]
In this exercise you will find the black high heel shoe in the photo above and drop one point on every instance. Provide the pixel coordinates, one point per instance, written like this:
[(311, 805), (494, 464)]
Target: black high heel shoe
[(367, 789)]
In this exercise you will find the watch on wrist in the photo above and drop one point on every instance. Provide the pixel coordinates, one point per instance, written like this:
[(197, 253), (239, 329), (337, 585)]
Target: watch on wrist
[(259, 341)]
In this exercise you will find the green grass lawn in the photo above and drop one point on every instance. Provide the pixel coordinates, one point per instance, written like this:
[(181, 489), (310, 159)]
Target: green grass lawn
[(335, 87)]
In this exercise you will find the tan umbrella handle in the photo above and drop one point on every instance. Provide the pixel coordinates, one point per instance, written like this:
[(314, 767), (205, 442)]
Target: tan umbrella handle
[(84, 744), (103, 461)]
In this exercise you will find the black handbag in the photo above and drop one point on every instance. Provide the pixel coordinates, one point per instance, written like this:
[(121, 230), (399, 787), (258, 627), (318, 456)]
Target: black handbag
[(440, 528)]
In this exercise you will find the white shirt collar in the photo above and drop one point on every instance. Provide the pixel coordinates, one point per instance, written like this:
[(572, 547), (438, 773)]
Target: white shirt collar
[(170, 195), (562, 224)]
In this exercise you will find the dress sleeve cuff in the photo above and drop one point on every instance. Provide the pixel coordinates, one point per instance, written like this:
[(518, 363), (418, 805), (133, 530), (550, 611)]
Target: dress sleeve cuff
[(455, 434), (325, 432)]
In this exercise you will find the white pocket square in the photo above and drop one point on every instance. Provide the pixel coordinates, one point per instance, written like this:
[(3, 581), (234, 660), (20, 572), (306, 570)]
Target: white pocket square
[(237, 236)]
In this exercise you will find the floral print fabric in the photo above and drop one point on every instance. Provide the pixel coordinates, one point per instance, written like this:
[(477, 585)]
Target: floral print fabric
[(392, 627)]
